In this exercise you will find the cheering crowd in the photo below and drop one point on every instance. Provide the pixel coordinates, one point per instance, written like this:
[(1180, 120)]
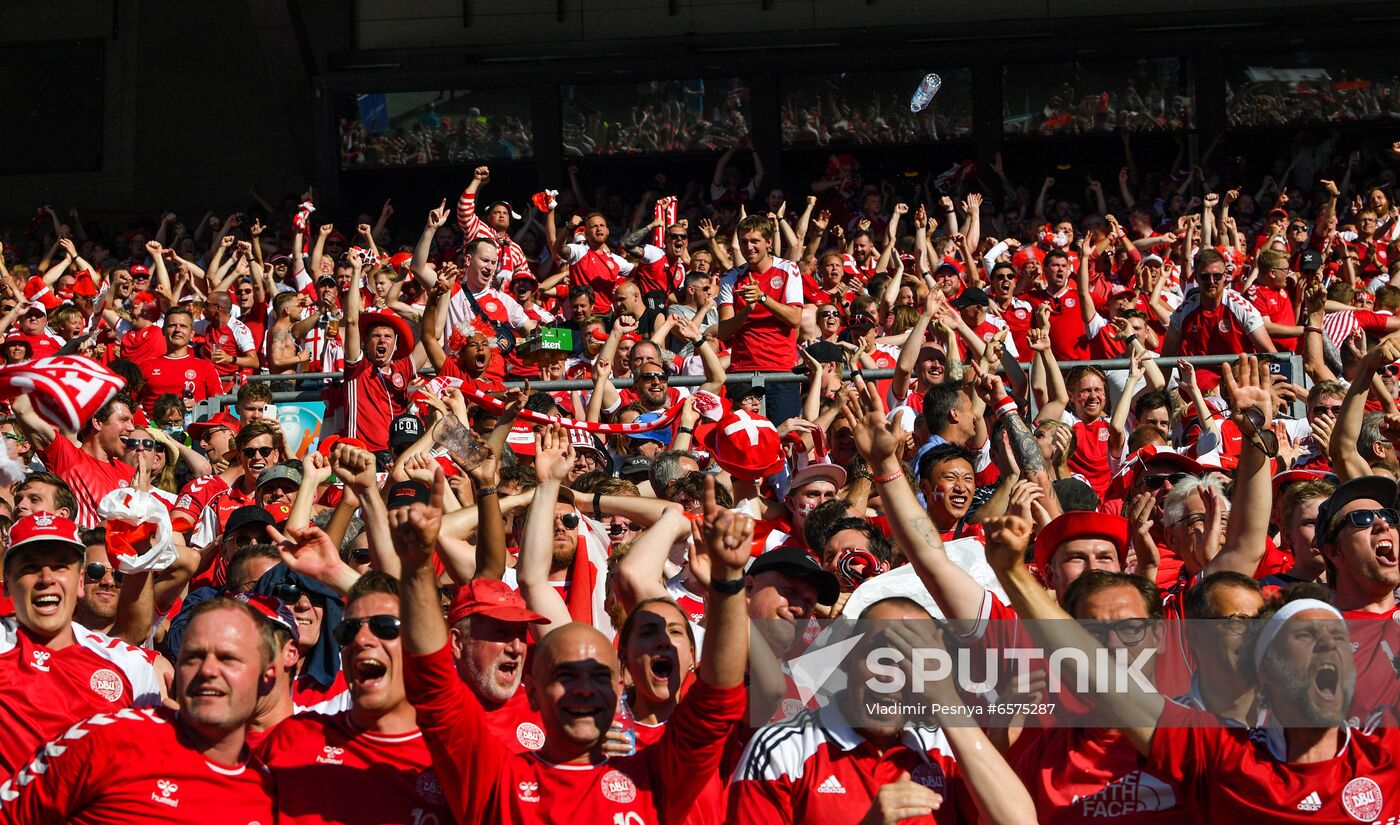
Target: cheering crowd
[(472, 600)]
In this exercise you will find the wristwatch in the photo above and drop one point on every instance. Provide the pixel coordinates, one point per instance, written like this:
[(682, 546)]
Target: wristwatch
[(727, 587)]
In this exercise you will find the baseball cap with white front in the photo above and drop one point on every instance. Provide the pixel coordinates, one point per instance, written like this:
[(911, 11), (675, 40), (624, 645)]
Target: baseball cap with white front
[(47, 531)]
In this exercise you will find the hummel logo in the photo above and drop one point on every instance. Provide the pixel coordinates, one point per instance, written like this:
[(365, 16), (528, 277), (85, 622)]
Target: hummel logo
[(1311, 803), (40, 660), (330, 755), (830, 785)]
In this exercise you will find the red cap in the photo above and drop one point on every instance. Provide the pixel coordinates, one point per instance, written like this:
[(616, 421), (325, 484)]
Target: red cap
[(45, 529), (403, 344), (1080, 524), (490, 597), (521, 439), (83, 285), (280, 512), (328, 443), (200, 429), (400, 260), (138, 269), (1277, 214)]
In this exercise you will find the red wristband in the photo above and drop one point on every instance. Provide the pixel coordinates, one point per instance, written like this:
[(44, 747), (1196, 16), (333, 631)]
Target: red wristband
[(891, 477), (1007, 405)]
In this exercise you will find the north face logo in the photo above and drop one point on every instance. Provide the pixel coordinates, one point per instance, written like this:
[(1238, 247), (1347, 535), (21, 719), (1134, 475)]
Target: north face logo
[(1134, 793)]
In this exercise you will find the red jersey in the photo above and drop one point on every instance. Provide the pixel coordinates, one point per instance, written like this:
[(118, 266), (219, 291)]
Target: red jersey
[(816, 768), (140, 345), (1236, 775), (1017, 316), (135, 766), (1069, 338), (194, 497), (1078, 776), (515, 724), (374, 397), (1275, 305), (764, 343), (89, 478), (233, 339), (1218, 331), (598, 268), (43, 691), (191, 378), (484, 782), (657, 272), (498, 307), (1090, 457), (308, 696), (375, 777), (1375, 644)]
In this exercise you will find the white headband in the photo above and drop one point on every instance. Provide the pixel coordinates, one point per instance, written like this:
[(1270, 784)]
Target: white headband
[(1277, 621)]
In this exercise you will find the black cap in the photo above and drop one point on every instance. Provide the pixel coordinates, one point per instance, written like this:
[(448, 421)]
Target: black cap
[(1376, 488), (408, 492), (1075, 495), (971, 297), (824, 352), (252, 515), (1310, 261), (633, 465), (738, 392), (404, 430), (797, 564)]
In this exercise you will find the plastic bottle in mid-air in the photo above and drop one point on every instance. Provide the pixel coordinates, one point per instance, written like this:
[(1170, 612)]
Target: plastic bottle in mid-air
[(928, 87)]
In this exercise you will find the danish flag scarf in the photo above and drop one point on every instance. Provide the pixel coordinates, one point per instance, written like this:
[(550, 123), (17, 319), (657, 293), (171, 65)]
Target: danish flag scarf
[(67, 391), (495, 405)]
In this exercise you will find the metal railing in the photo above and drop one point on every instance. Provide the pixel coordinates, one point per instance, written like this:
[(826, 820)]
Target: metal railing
[(1288, 363)]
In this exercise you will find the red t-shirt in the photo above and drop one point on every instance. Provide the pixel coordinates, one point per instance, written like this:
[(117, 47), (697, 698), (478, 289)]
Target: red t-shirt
[(763, 343), (1069, 338), (1275, 305), (374, 398), (1235, 775), (330, 771), (143, 344), (515, 724), (1090, 457), (1375, 639), (1091, 775), (484, 782), (599, 269), (1218, 331), (89, 478), (187, 376), (135, 766), (43, 691), (234, 339)]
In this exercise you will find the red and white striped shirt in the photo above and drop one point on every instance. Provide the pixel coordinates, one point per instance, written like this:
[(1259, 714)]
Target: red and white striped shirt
[(511, 258)]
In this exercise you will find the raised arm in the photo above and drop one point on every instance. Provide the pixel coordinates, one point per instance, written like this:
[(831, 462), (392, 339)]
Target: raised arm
[(419, 265), (957, 594), (1247, 532), (554, 458), (1347, 461)]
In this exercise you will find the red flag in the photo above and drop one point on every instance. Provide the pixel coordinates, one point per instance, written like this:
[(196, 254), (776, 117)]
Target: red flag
[(66, 390)]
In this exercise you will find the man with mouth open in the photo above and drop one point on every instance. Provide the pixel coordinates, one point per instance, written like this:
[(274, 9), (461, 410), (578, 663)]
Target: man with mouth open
[(1305, 765), (368, 763), (163, 765), (54, 671), (381, 363), (575, 680)]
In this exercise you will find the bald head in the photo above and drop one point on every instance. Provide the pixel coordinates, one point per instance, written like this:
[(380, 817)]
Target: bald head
[(573, 643)]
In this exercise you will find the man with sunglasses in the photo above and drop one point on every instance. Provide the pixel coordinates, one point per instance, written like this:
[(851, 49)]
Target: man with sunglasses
[(96, 608), (1213, 319), (228, 342), (372, 754), (1357, 534), (659, 268), (205, 504)]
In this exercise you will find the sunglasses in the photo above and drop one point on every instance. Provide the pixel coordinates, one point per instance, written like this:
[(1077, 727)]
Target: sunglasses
[(617, 528), (148, 444), (1322, 409), (242, 540), (290, 593), (828, 314), (569, 520), (1159, 481), (652, 376), (97, 571), (1128, 631), (676, 237), (262, 452), (383, 627), (1361, 519), (1297, 229), (1389, 370), (359, 556), (1211, 277)]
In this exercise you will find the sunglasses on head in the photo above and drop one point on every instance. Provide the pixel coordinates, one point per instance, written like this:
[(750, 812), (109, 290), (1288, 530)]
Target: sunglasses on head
[(1159, 481), (569, 520), (96, 571), (148, 444), (262, 452), (383, 627)]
